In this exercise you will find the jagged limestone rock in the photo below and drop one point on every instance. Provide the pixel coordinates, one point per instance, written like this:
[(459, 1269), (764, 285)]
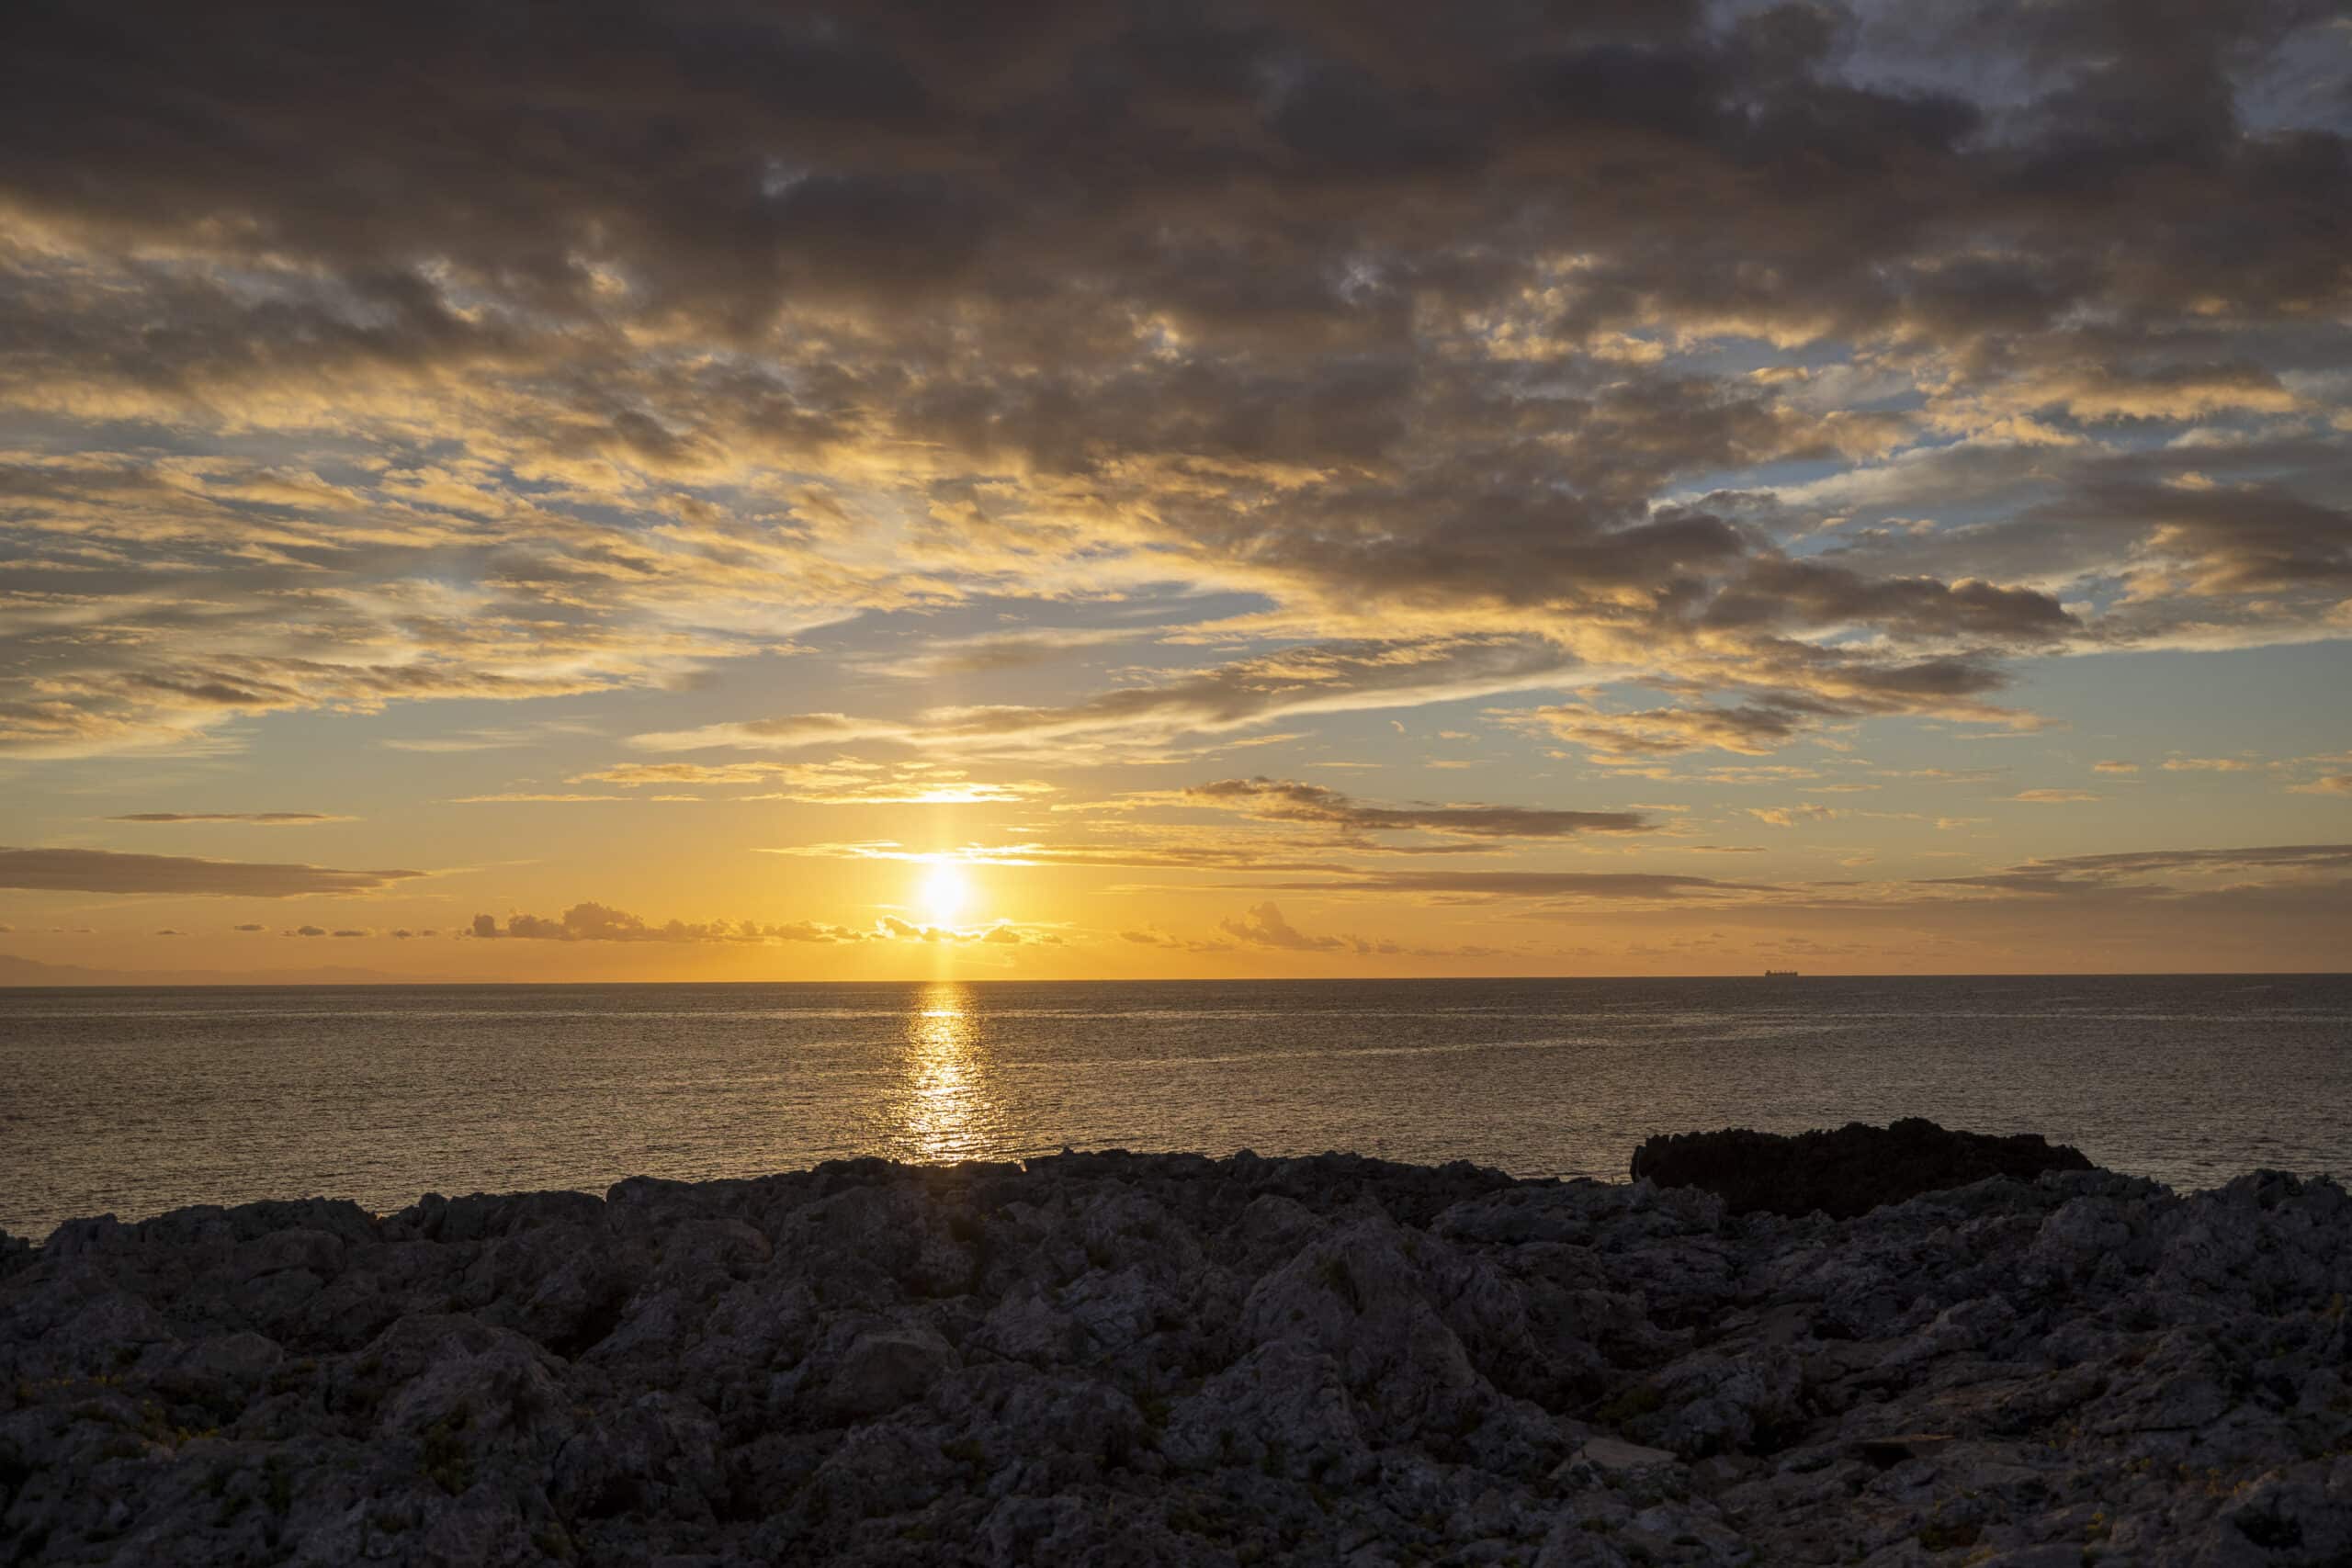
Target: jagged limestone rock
[(1117, 1359)]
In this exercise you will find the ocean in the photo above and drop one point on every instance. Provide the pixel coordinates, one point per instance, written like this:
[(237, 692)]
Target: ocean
[(135, 1102)]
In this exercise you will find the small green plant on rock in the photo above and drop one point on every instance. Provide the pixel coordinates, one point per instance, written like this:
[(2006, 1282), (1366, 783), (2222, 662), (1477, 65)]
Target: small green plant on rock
[(277, 1485), (1335, 1277), (1630, 1406), (1947, 1535), (446, 1463)]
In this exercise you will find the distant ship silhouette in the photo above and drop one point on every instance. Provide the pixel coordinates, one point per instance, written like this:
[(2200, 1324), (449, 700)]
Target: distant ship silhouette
[(1779, 973)]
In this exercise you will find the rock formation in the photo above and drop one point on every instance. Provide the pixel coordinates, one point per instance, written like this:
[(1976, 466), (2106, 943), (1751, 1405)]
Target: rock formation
[(1131, 1360), (1844, 1173)]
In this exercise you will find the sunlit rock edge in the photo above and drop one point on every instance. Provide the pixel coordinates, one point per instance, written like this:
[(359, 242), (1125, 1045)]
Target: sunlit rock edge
[(1113, 1358)]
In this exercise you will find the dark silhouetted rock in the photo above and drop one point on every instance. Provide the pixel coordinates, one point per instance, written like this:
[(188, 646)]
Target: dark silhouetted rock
[(1844, 1173), (1166, 1362)]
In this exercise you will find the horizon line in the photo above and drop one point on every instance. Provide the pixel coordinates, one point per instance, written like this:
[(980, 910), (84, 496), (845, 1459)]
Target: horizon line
[(235, 984)]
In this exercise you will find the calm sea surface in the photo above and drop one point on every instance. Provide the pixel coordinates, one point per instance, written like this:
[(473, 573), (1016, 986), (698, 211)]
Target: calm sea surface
[(135, 1102)]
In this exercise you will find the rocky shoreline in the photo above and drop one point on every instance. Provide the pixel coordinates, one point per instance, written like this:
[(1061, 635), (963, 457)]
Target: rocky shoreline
[(1106, 1358)]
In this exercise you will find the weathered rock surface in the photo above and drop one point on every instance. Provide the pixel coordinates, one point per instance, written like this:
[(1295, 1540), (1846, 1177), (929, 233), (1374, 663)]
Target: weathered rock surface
[(1844, 1172), (1114, 1359)]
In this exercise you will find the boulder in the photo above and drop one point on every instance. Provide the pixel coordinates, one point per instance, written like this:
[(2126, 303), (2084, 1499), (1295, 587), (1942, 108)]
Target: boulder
[(657, 1455), (1843, 1173), (884, 1370), (1281, 1408)]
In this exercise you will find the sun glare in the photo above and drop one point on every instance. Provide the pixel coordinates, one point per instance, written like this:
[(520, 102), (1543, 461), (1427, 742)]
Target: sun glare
[(944, 895)]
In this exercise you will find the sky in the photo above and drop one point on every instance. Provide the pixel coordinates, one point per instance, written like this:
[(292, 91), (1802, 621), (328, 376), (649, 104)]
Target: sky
[(714, 492)]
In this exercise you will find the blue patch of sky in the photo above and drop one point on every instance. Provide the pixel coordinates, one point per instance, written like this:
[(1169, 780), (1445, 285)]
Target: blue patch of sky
[(2280, 702)]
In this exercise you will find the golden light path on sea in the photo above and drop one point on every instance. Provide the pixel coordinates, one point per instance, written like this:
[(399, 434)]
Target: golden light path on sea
[(947, 1109)]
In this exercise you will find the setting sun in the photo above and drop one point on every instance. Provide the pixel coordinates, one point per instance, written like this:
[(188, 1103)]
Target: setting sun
[(944, 895)]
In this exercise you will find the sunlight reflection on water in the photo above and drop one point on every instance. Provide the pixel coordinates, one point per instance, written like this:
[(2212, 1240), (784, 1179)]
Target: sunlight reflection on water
[(945, 1108)]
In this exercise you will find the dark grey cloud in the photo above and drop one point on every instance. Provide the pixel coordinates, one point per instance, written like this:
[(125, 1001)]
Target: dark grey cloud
[(2268, 881), (2126, 874), (2256, 538), (590, 922), (1559, 884), (1788, 689), (2294, 857), (1150, 849), (2238, 533), (110, 871), (739, 159), (1402, 313), (1782, 592), (265, 818), (1286, 800)]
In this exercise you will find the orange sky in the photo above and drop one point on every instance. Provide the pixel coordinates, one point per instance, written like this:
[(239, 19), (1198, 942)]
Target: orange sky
[(1691, 491)]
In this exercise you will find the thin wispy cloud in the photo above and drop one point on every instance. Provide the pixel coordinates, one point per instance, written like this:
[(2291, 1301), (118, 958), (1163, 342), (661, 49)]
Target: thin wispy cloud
[(110, 871), (1286, 800), (259, 818), (888, 440)]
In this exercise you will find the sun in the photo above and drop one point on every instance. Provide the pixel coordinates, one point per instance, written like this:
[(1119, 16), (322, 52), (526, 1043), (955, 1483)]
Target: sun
[(942, 896)]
